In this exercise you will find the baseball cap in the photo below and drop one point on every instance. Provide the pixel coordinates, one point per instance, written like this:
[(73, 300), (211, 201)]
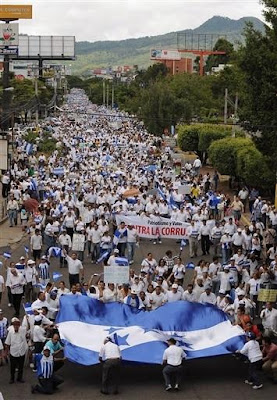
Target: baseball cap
[(44, 258), (222, 292), (174, 286), (31, 262), (116, 251), (1, 311), (133, 291), (22, 258), (250, 335), (14, 319), (226, 267)]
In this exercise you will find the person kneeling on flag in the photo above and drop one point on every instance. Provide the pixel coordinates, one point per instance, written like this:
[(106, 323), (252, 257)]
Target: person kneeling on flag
[(48, 381), (172, 359)]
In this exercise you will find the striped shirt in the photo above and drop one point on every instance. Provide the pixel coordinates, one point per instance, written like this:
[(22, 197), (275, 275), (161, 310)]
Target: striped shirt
[(45, 366)]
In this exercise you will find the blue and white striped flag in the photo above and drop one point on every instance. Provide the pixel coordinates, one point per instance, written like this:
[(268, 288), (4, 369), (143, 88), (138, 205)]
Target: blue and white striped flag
[(29, 148), (56, 276), (58, 171), (33, 185), (161, 193), (117, 236), (103, 256), (121, 261), (1, 264), (202, 330), (28, 308), (26, 248), (190, 265), (7, 254), (183, 244), (41, 286), (55, 251)]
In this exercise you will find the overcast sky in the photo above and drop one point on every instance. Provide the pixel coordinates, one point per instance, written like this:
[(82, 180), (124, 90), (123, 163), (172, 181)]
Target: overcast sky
[(120, 19)]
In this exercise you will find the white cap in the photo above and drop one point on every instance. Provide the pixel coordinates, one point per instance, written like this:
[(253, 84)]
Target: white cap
[(14, 319), (116, 251), (31, 262), (133, 291), (22, 258), (174, 286), (239, 230), (38, 318)]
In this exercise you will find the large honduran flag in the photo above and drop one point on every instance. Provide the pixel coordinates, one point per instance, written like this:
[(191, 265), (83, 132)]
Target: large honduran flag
[(201, 330)]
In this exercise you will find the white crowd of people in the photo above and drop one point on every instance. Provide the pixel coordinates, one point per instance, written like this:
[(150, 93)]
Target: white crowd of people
[(106, 165)]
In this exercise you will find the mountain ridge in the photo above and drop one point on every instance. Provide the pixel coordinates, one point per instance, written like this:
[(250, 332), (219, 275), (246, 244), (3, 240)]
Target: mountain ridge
[(135, 51)]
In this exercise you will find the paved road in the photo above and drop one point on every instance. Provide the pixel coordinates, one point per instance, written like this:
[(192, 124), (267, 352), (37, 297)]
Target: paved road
[(210, 379)]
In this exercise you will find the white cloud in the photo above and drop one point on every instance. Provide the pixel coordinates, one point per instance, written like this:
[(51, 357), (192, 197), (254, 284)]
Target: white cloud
[(119, 19)]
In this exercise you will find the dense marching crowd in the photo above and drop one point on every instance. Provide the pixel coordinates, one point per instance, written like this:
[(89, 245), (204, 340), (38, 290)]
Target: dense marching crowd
[(106, 165)]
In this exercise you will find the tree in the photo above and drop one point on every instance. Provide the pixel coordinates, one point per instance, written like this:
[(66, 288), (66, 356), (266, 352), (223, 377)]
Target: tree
[(214, 60), (258, 60)]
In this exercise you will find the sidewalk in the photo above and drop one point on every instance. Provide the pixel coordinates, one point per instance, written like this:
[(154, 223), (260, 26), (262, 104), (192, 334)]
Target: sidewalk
[(10, 237)]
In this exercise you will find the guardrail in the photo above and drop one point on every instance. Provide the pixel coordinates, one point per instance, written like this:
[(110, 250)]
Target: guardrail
[(3, 210)]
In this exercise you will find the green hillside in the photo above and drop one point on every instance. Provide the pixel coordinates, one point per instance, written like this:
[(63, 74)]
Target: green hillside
[(136, 51)]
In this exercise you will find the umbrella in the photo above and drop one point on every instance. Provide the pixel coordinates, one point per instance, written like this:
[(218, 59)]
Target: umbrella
[(31, 205)]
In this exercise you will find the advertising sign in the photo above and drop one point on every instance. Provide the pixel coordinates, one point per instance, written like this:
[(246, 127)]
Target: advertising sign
[(165, 54), (5, 51), (46, 46), (9, 11), (8, 35)]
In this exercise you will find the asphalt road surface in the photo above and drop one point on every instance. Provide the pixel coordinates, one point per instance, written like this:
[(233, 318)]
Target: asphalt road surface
[(214, 378)]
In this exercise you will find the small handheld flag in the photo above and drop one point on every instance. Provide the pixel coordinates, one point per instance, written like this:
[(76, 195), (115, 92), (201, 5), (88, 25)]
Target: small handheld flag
[(26, 248), (56, 276), (7, 254), (103, 256), (28, 308), (121, 261)]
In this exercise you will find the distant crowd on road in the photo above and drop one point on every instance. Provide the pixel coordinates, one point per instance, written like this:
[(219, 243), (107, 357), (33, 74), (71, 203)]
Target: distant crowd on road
[(106, 166)]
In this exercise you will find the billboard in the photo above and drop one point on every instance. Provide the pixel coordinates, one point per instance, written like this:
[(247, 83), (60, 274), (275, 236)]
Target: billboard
[(165, 54), (46, 46), (9, 11), (8, 35)]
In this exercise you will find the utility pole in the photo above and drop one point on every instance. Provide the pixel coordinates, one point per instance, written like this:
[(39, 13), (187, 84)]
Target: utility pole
[(104, 92), (226, 106), (55, 94), (113, 94), (6, 96), (36, 73), (108, 89)]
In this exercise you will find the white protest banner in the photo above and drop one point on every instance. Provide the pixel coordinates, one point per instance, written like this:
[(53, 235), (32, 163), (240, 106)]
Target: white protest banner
[(116, 274), (78, 242), (150, 228)]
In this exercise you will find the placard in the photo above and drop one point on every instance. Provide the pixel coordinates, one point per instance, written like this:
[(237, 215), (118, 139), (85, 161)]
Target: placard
[(267, 295), (116, 274), (78, 242), (184, 189)]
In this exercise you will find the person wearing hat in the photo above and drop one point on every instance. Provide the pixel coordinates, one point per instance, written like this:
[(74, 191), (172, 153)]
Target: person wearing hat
[(226, 243), (208, 297), (66, 244), (17, 346), (133, 300), (111, 260), (252, 351), (31, 277), (48, 380), (174, 294), (173, 358), (110, 357), (220, 300), (238, 240), (43, 270), (225, 279)]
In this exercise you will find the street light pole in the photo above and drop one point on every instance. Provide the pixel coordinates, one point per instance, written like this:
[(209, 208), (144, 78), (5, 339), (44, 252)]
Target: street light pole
[(36, 94)]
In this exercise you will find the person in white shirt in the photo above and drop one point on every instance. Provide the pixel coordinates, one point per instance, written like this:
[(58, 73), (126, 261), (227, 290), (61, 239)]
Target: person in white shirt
[(269, 320), (133, 300), (252, 351), (110, 356), (193, 236), (39, 334), (17, 345), (172, 359), (173, 294), (62, 289), (75, 267), (178, 271), (220, 300), (109, 294), (205, 234), (149, 264), (158, 298), (16, 282), (189, 294), (207, 296), (138, 285), (36, 244), (132, 240), (196, 166), (225, 278), (94, 238)]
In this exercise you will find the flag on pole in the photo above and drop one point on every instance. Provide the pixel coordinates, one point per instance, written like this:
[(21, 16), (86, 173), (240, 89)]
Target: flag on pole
[(118, 235), (121, 261), (28, 308), (103, 256), (7, 254), (56, 276), (26, 248)]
